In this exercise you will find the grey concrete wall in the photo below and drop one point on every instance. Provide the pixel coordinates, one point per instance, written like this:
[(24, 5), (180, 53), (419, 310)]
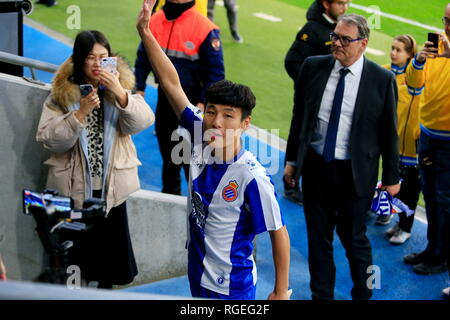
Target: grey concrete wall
[(157, 221), (18, 290), (158, 232), (20, 167)]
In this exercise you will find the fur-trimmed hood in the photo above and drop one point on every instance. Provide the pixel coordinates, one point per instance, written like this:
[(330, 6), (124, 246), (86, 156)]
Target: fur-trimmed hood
[(65, 92)]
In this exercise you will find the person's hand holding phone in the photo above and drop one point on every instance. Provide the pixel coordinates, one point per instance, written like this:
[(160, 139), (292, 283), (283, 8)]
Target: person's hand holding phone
[(87, 104), (430, 48), (111, 82)]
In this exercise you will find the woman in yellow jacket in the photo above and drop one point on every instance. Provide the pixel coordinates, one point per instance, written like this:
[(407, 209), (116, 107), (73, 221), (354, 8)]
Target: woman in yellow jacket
[(403, 50)]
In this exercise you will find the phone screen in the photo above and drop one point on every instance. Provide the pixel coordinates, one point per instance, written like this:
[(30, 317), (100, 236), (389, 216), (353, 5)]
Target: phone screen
[(85, 89), (433, 37)]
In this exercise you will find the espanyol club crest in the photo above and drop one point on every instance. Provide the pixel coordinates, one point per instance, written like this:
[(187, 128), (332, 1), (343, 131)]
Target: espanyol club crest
[(229, 192)]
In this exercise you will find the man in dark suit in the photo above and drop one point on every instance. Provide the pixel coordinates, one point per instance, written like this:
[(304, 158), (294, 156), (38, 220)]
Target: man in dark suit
[(312, 39), (344, 119)]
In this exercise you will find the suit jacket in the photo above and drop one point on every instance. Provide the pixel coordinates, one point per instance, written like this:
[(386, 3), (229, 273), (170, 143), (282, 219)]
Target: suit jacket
[(374, 125)]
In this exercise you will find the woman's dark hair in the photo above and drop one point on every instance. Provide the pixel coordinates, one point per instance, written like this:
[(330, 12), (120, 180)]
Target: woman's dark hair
[(409, 43), (84, 42), (231, 94)]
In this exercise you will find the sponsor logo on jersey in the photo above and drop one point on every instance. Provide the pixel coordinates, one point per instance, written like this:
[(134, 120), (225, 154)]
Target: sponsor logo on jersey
[(198, 210), (230, 192)]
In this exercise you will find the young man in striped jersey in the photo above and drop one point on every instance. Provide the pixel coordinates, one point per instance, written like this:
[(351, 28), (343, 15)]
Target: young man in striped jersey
[(231, 198)]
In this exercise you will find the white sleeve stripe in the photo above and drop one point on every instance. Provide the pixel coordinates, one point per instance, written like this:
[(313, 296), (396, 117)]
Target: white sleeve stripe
[(269, 203), (196, 111)]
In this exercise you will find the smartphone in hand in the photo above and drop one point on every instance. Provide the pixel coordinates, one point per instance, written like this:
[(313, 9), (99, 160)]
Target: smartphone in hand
[(433, 37), (109, 64), (85, 89)]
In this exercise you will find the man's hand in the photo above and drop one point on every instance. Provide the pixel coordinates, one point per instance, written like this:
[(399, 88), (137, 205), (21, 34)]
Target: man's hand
[(289, 175), (446, 42), (285, 295), (161, 64), (281, 258), (141, 93), (143, 19), (427, 52), (392, 189)]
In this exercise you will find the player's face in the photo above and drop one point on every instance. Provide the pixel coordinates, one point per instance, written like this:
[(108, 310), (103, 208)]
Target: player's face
[(399, 56), (223, 126)]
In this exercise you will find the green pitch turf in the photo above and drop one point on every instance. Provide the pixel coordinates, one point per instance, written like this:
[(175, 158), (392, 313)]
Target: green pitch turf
[(426, 12), (115, 18), (258, 62)]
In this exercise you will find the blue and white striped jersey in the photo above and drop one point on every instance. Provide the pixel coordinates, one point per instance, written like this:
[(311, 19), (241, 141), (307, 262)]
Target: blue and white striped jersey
[(228, 204)]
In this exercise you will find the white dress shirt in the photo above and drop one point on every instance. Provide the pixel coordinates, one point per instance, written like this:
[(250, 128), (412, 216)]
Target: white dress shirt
[(352, 80)]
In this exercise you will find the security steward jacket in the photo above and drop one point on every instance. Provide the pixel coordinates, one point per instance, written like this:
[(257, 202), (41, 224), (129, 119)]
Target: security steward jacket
[(312, 40), (192, 43)]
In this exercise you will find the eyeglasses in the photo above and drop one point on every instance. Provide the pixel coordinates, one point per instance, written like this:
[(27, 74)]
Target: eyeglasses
[(91, 59), (446, 21), (345, 41)]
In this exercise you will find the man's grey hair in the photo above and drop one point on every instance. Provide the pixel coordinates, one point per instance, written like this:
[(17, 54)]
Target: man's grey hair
[(358, 21)]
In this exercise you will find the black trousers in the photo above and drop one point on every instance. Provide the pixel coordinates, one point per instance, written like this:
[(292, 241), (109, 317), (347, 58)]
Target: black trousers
[(105, 252), (434, 159), (330, 203), (409, 194)]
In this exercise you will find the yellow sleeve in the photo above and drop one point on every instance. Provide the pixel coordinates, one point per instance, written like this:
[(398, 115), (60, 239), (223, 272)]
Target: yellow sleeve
[(201, 6), (160, 4), (415, 74)]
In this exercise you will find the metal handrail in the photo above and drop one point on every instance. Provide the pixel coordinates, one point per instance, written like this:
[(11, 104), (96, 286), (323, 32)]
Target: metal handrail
[(27, 62)]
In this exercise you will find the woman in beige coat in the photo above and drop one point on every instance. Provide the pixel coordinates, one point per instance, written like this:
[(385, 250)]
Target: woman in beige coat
[(92, 154)]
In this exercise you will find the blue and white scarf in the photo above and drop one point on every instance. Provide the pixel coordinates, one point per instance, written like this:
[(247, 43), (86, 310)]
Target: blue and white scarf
[(384, 204)]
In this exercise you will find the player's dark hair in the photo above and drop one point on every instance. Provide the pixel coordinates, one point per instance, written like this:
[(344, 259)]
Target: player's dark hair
[(228, 93)]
